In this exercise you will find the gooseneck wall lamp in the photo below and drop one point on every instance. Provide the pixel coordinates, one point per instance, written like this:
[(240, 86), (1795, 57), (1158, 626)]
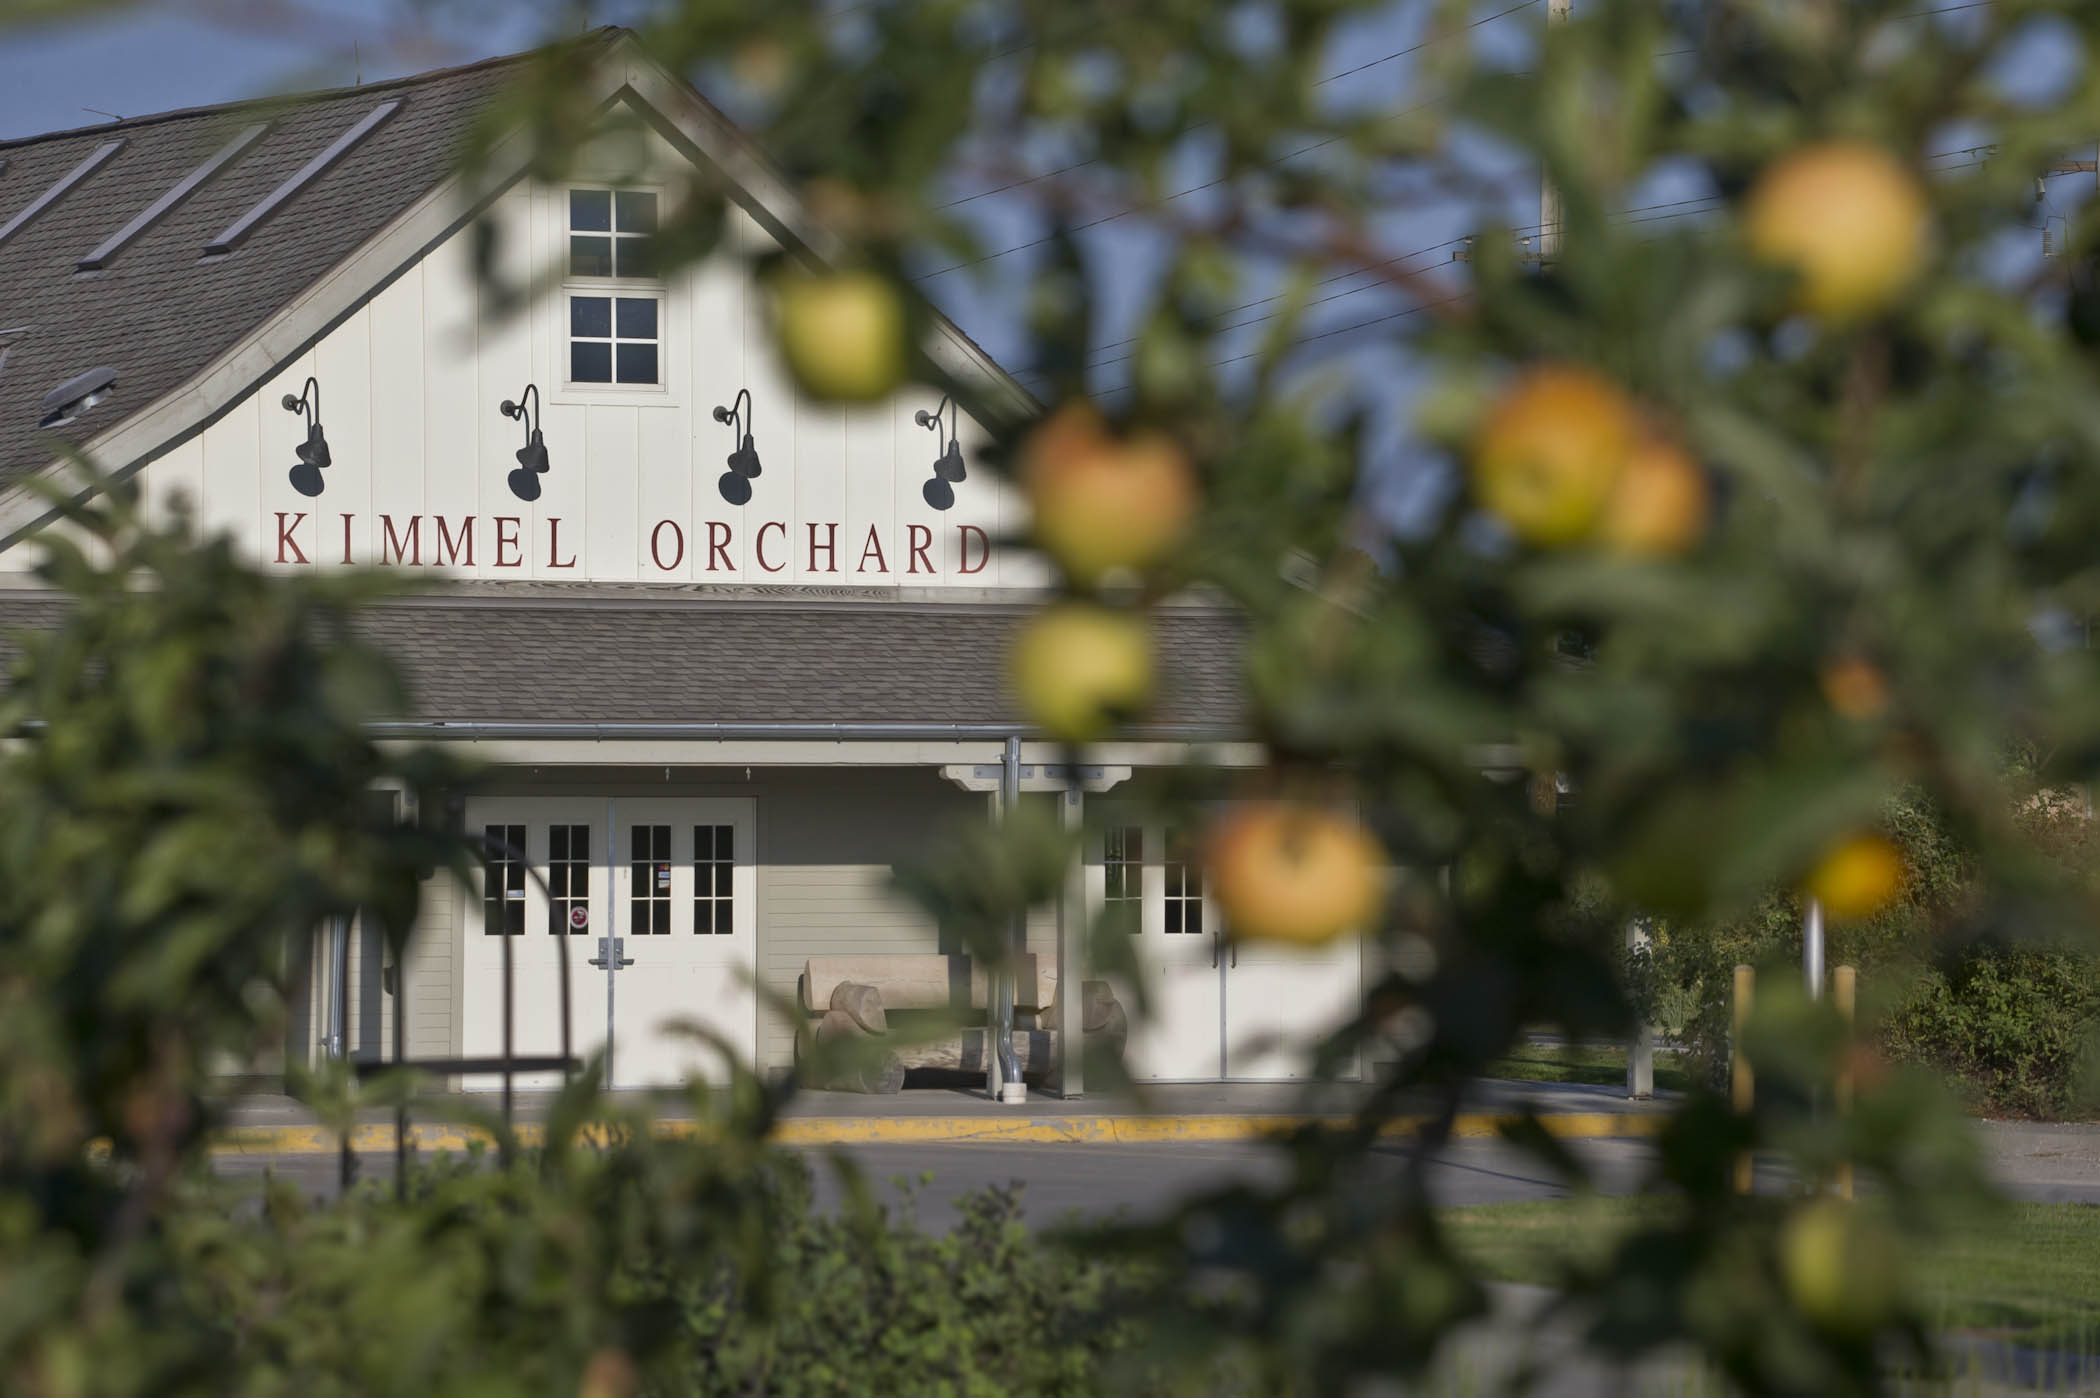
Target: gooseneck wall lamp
[(532, 457), (948, 469), (313, 452), (735, 484)]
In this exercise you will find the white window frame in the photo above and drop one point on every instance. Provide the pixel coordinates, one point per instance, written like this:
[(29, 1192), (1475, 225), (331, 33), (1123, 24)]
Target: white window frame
[(630, 288)]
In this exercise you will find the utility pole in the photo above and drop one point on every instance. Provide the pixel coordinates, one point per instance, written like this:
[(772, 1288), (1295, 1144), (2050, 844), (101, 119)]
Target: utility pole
[(1557, 12)]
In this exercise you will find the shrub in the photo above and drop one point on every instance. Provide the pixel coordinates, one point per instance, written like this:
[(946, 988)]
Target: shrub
[(2013, 1025)]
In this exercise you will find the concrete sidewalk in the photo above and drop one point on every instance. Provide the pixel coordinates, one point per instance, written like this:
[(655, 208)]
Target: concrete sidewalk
[(277, 1125)]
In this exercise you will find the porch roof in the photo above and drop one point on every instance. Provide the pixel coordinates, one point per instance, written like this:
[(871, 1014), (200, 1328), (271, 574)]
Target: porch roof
[(640, 659)]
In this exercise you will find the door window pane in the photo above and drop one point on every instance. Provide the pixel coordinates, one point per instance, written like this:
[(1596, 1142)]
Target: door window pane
[(1184, 890), (714, 874), (1123, 873), (649, 880), (568, 879), (503, 880)]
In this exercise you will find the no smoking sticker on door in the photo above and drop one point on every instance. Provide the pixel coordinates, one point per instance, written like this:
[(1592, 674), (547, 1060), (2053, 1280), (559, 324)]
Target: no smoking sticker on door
[(579, 918)]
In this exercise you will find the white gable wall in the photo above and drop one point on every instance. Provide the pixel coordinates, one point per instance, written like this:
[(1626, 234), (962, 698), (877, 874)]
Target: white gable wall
[(409, 388)]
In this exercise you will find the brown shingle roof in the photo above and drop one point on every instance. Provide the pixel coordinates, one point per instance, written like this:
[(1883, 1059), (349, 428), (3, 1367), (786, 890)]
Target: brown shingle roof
[(161, 312), (629, 660)]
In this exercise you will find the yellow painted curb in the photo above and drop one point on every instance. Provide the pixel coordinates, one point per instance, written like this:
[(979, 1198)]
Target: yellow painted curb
[(917, 1130)]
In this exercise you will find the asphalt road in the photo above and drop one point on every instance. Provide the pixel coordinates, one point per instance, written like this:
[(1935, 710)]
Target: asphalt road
[(2050, 1164), (1063, 1181)]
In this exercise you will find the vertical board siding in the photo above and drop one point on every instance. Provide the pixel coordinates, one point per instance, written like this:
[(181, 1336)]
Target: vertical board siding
[(410, 385)]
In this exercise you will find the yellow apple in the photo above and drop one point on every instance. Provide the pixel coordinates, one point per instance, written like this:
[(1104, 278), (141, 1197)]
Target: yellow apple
[(1103, 503), (1080, 669), (1847, 219), (609, 1374), (1855, 688), (1550, 450), (845, 335), (1283, 871), (1841, 1268), (1857, 877), (1659, 505)]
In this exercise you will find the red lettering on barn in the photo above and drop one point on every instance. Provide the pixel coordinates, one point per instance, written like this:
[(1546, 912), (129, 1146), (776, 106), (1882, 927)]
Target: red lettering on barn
[(656, 551), (413, 541), (507, 539), (874, 547), (286, 541), (918, 538), (760, 546)]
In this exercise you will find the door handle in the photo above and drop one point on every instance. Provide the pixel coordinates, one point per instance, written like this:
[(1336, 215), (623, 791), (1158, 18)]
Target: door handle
[(1235, 955), (1213, 951), (612, 949)]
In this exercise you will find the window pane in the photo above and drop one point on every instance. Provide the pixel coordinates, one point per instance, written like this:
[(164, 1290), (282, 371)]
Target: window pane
[(1174, 906), (636, 210), (590, 209), (590, 256), (637, 363), (723, 836), (634, 257), (590, 363), (637, 318), (591, 316), (661, 921)]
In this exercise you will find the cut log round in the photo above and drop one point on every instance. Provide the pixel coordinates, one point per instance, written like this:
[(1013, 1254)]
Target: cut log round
[(863, 1067), (1096, 1000), (864, 1003)]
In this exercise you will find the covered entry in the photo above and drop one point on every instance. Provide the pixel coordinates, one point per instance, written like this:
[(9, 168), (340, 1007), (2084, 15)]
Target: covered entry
[(656, 900), (1218, 1010)]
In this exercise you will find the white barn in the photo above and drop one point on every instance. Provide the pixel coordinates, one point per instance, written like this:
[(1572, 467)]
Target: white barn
[(721, 705)]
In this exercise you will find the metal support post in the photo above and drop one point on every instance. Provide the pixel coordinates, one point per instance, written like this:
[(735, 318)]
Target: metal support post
[(1640, 1054), (1071, 959), (1002, 1069), (1812, 949)]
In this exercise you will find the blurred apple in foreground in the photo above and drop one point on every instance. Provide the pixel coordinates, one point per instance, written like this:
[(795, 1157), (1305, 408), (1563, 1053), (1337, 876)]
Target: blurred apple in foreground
[(1841, 1267), (1287, 872), (1080, 670), (1102, 503), (1659, 505), (845, 335), (1857, 878), (1847, 219), (1550, 452)]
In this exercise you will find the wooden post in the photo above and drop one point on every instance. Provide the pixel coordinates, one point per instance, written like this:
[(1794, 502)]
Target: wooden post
[(1071, 958), (1844, 983), (1743, 1083)]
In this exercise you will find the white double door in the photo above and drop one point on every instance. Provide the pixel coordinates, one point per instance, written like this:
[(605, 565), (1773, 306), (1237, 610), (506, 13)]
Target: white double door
[(654, 900), (1219, 1010)]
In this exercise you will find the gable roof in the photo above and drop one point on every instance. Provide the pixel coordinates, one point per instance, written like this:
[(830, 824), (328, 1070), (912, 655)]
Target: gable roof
[(160, 311), (189, 335)]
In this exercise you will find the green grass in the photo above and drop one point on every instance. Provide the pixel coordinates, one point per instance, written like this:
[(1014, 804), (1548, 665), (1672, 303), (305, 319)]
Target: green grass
[(1602, 1064), (2028, 1274)]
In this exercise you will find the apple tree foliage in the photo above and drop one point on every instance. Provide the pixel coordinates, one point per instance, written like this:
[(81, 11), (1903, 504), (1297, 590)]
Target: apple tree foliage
[(1548, 741), (1880, 591)]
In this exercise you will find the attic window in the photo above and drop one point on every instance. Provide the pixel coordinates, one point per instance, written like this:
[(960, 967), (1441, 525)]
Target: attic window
[(610, 231)]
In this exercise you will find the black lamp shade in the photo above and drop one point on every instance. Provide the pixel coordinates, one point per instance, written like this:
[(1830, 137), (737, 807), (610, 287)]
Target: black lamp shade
[(744, 460), (313, 455), (950, 465)]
